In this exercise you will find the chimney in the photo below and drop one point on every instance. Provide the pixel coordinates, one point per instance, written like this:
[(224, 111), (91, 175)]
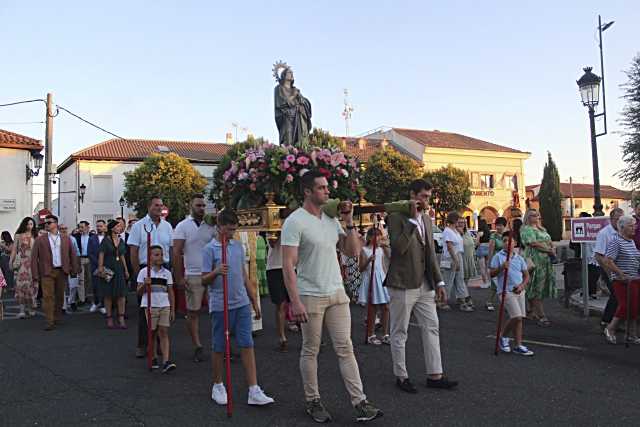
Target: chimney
[(229, 138), (384, 143), (361, 144)]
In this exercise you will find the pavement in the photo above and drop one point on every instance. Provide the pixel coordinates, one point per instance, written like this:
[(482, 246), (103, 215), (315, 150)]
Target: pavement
[(83, 374)]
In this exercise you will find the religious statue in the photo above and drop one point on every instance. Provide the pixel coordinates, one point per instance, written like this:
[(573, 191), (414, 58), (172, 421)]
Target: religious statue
[(292, 110)]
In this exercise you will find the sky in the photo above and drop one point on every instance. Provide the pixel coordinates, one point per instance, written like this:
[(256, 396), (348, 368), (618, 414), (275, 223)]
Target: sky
[(501, 71)]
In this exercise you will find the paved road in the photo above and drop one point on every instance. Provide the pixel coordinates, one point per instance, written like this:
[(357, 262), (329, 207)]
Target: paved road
[(83, 374)]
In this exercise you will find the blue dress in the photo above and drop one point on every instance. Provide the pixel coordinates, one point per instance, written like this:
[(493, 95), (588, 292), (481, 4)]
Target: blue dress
[(380, 293)]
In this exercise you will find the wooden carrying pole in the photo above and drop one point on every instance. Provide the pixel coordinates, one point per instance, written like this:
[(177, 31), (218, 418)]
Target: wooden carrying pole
[(148, 289), (227, 341), (504, 293)]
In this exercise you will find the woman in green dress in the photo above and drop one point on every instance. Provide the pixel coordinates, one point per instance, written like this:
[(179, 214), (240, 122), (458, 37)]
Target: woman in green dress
[(538, 248), (468, 256), (111, 255)]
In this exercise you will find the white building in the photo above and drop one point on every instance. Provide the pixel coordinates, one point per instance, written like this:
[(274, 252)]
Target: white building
[(99, 171), (18, 154)]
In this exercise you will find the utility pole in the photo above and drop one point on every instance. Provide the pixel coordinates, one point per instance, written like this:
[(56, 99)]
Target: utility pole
[(48, 150), (571, 196)]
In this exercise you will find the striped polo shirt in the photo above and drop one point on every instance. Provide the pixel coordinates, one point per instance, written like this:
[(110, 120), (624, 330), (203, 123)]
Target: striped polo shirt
[(625, 256)]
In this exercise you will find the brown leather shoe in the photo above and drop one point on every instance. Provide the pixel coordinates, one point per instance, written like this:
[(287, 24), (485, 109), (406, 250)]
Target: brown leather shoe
[(283, 347)]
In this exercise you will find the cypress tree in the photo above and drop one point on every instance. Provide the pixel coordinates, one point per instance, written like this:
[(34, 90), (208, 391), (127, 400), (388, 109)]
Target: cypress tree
[(550, 200)]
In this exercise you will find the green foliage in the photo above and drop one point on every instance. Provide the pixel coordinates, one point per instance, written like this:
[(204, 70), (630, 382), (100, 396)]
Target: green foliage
[(630, 121), (166, 175), (322, 139), (452, 188), (388, 175), (550, 200)]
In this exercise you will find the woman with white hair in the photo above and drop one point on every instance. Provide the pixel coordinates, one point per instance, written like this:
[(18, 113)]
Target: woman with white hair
[(622, 261), (539, 248)]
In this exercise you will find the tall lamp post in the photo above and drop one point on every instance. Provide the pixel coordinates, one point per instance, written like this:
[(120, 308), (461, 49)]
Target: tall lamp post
[(122, 203)]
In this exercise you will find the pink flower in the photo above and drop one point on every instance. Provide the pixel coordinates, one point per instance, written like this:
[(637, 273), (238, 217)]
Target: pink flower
[(286, 164), (242, 176), (303, 160), (289, 178), (290, 158), (335, 184)]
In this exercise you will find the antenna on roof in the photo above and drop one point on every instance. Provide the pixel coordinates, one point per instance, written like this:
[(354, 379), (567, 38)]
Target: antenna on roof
[(346, 113)]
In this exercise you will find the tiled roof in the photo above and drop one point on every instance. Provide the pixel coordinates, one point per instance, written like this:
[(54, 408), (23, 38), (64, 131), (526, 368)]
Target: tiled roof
[(437, 139), (584, 191), (17, 141), (364, 148), (139, 149)]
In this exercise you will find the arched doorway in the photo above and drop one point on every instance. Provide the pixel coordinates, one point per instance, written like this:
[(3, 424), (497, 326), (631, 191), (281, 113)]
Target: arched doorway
[(467, 214), (489, 214)]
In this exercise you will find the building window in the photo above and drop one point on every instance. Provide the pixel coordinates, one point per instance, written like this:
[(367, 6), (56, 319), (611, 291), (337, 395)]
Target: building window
[(577, 204), (102, 188), (105, 217), (486, 181), (511, 182)]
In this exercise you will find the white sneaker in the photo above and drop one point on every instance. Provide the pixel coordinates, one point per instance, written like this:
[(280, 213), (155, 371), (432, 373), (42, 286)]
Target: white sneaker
[(103, 310), (22, 315), (258, 398), (504, 345), (93, 308), (219, 394)]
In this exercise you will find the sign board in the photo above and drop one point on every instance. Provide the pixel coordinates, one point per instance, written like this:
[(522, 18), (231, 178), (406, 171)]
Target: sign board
[(585, 230), (7, 204), (164, 213)]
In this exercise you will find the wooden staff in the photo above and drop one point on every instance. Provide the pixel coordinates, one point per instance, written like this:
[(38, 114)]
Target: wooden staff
[(227, 340), (504, 293), (148, 289)]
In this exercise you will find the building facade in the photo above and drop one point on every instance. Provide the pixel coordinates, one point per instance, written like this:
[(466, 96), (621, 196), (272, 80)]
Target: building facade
[(496, 172), (100, 170), (18, 167)]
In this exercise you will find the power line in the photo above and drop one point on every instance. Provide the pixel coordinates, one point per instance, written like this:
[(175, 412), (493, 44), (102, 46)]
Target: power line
[(87, 121), (22, 102), (21, 123)]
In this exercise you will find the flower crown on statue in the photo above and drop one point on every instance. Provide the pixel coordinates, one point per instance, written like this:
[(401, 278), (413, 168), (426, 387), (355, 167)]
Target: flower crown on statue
[(278, 69)]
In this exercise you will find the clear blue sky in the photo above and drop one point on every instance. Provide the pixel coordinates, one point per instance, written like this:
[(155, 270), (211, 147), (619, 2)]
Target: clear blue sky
[(500, 71)]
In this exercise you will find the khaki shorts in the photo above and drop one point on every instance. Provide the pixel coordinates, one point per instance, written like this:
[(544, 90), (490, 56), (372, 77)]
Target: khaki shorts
[(194, 292), (160, 316), (515, 304)]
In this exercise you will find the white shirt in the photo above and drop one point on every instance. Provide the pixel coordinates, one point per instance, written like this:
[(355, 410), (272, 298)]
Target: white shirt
[(158, 299), (274, 257), (418, 221), (450, 235), (160, 235), (56, 255), (602, 241), (100, 238), (195, 239)]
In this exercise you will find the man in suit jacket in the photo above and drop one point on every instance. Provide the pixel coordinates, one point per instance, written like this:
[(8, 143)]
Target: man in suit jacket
[(53, 259), (413, 280), (92, 252)]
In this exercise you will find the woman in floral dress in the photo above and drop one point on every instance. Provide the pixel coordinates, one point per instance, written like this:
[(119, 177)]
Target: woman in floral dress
[(26, 290), (539, 248)]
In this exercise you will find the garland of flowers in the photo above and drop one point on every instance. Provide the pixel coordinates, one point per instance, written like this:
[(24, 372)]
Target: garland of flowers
[(247, 173)]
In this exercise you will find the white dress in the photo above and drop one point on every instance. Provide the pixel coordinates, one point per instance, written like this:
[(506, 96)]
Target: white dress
[(380, 293)]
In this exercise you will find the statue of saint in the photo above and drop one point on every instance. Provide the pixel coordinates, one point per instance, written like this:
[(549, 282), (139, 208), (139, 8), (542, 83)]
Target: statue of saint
[(292, 110)]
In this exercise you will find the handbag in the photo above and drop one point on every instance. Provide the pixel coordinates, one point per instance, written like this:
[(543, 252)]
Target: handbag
[(107, 274)]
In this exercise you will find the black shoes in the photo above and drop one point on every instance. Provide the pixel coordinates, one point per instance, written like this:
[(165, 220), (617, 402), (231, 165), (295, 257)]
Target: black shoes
[(406, 385), (168, 367), (198, 355), (442, 383)]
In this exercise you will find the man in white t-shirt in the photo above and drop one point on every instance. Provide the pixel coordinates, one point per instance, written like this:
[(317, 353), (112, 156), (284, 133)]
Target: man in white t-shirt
[(309, 241), (189, 239), (602, 241), (161, 234), (452, 266)]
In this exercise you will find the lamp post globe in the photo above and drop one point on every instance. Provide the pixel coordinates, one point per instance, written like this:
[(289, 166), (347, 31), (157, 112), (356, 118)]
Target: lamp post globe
[(589, 85), (122, 203)]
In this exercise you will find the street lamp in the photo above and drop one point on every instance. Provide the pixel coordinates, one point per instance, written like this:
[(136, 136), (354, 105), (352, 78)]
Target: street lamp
[(36, 158), (589, 85), (122, 203), (83, 189)]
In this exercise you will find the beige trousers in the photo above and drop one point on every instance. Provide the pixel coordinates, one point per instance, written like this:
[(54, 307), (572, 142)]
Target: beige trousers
[(334, 311), (422, 302)]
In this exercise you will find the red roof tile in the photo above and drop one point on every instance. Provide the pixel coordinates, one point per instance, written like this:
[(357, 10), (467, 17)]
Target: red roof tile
[(369, 147), (17, 141), (437, 139), (585, 191), (139, 149)]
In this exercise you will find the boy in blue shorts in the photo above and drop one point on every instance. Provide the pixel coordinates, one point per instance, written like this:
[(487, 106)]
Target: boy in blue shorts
[(242, 295), (514, 300)]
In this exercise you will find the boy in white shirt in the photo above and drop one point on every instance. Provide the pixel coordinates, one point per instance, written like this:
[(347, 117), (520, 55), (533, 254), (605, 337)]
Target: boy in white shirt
[(163, 307)]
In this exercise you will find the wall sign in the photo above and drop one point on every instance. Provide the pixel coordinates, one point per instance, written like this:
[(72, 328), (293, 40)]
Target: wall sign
[(7, 204)]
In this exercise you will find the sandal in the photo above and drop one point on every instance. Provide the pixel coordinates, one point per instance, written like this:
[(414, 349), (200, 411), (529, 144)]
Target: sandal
[(374, 340), (123, 324), (110, 324)]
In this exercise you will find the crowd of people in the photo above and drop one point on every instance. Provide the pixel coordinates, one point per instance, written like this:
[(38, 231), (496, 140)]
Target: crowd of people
[(392, 267)]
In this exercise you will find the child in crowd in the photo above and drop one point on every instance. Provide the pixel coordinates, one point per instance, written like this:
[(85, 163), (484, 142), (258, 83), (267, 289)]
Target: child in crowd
[(242, 294), (514, 300), (163, 306), (380, 295)]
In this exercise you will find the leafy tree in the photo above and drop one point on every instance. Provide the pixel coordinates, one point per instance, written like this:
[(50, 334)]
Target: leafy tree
[(630, 121), (550, 200), (452, 189), (323, 139), (387, 176), (166, 175)]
